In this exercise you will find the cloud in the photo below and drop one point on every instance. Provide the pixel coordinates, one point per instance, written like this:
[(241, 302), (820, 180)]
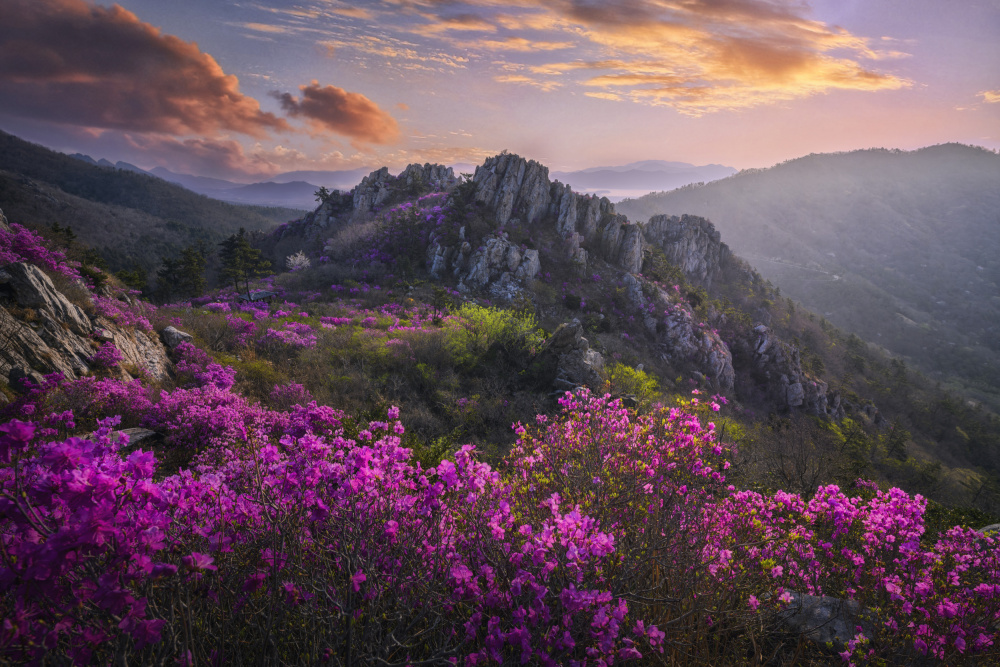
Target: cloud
[(69, 62), (220, 158), (394, 51), (516, 44), (697, 56), (545, 86), (990, 96), (334, 109)]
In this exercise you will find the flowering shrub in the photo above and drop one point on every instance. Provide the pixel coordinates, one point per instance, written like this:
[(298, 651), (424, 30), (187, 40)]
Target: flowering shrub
[(134, 314), (23, 245), (107, 356), (202, 369), (605, 537)]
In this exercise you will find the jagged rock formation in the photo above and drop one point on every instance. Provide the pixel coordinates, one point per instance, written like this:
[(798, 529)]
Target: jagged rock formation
[(789, 386), (376, 188), (567, 358), (680, 337), (518, 192), (690, 242), (42, 332), (498, 265)]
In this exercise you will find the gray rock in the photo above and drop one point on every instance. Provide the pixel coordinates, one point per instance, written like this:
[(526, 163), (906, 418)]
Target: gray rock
[(568, 353), (4, 225), (680, 337), (825, 619), (513, 186), (33, 289), (173, 337), (58, 337), (691, 243), (373, 190), (622, 244), (991, 529)]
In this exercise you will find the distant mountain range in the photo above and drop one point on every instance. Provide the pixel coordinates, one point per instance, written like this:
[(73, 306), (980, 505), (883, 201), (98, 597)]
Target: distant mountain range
[(131, 216), (638, 178), (293, 189), (902, 248)]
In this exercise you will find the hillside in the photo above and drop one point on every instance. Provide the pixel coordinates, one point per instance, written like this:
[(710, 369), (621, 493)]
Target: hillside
[(897, 247), (408, 436), (128, 217)]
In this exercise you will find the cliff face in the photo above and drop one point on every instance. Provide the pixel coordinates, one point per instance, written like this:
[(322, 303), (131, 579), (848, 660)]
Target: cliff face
[(690, 242), (42, 332)]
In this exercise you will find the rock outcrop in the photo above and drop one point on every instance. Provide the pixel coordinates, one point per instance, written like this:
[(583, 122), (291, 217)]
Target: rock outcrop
[(42, 332), (680, 337), (789, 386), (498, 267), (172, 337), (691, 243), (570, 362), (826, 620), (513, 187), (378, 187)]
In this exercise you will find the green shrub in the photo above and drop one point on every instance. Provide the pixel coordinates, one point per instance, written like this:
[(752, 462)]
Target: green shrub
[(622, 380)]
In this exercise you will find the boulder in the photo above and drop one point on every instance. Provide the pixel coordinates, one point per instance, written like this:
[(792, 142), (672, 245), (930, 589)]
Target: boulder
[(826, 620), (173, 337), (570, 360)]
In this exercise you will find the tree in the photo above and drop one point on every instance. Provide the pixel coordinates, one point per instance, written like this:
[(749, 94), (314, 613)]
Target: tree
[(298, 261), (241, 262), (192, 264), (134, 277), (168, 278)]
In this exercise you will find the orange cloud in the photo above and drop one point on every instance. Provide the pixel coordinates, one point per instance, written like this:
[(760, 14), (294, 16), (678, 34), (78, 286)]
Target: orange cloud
[(697, 56), (71, 62), (334, 109), (990, 96)]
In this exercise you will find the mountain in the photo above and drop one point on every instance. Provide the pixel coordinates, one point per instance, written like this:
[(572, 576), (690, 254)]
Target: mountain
[(203, 185), (332, 180), (898, 247), (638, 178), (130, 217)]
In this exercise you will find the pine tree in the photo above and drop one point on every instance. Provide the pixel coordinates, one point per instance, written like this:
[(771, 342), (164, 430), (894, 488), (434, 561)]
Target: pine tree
[(192, 270), (241, 262), (168, 278)]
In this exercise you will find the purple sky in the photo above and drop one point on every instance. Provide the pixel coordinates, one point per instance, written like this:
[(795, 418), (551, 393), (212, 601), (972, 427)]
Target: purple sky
[(247, 89)]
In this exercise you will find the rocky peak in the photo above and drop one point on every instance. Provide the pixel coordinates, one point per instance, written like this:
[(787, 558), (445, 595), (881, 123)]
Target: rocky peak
[(376, 188), (42, 331), (513, 187), (691, 243)]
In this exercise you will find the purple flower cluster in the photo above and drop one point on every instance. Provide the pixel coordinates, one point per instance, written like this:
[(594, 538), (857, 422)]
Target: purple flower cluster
[(107, 356), (23, 245)]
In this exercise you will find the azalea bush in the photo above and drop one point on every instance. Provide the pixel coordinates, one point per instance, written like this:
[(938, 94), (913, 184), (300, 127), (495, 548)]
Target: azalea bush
[(301, 536)]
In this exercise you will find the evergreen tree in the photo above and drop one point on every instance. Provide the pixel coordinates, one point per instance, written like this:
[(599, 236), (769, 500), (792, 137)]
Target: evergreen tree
[(241, 262), (168, 278), (192, 270)]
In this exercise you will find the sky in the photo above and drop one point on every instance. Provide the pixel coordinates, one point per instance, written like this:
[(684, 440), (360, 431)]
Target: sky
[(245, 89)]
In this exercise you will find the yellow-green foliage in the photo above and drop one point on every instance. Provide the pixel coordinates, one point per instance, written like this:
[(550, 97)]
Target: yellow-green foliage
[(621, 379), (482, 328)]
